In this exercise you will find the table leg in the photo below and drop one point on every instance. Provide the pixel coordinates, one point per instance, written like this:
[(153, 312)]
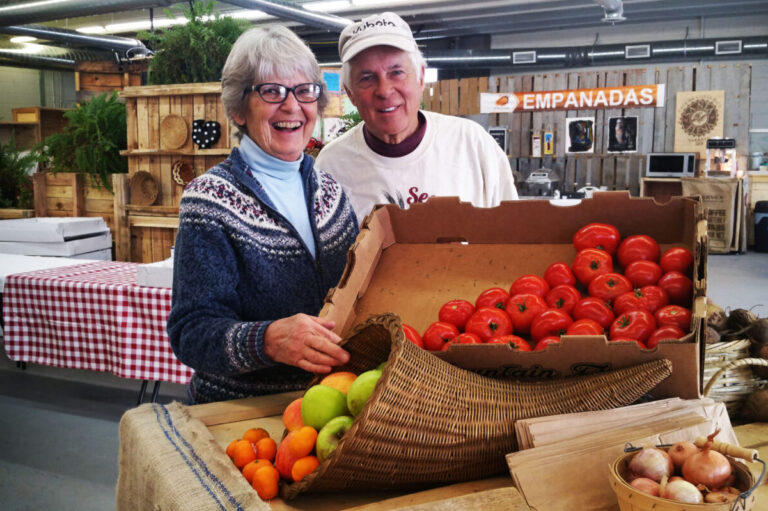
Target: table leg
[(142, 392), (155, 391)]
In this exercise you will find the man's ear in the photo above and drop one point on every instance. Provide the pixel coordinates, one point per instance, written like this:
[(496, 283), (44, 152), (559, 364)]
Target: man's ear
[(422, 76), (351, 96)]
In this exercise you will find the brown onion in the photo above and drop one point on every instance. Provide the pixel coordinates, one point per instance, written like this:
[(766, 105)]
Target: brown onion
[(682, 491), (680, 451), (646, 485), (707, 467), (651, 463)]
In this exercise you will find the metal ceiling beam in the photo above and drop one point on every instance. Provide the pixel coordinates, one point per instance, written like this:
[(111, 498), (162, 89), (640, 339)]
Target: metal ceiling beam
[(70, 36), (21, 13), (295, 13)]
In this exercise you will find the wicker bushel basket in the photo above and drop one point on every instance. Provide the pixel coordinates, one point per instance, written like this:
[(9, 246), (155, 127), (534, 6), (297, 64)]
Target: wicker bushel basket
[(430, 423), (728, 376), (631, 499)]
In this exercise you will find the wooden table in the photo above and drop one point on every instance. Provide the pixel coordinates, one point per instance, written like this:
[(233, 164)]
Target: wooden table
[(228, 420), (169, 459)]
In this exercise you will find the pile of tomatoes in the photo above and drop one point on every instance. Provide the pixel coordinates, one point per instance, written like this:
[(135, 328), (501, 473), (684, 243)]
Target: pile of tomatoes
[(625, 289)]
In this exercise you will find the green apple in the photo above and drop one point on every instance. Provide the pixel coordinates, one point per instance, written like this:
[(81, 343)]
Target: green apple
[(322, 403), (329, 436), (361, 389), (381, 366)]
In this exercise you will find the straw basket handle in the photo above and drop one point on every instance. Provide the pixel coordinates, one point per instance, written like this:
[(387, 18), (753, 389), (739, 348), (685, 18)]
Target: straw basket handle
[(729, 449), (732, 365)]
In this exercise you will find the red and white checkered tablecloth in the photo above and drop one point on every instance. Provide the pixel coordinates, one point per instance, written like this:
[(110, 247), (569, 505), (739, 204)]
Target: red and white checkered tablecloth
[(91, 316)]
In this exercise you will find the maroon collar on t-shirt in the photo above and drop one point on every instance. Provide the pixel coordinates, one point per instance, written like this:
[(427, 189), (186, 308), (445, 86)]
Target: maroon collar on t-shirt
[(407, 146)]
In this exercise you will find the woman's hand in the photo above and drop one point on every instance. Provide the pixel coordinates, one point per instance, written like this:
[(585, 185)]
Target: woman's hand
[(304, 341)]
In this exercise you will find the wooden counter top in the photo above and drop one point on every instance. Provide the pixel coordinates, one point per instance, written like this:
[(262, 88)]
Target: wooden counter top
[(229, 420)]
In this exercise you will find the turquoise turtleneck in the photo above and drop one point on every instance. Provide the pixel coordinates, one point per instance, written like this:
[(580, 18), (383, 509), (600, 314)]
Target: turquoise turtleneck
[(282, 182)]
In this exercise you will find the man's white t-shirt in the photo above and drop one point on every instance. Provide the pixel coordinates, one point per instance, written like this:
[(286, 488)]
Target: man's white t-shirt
[(456, 157)]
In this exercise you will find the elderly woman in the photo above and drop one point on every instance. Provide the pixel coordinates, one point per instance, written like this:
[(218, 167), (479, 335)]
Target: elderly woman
[(262, 236)]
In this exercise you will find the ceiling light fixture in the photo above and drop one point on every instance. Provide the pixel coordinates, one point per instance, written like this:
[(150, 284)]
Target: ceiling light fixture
[(327, 6), (22, 39), (42, 3), (613, 9)]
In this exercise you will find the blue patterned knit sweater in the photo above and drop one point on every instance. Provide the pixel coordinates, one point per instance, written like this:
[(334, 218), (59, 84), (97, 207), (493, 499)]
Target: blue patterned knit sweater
[(238, 265)]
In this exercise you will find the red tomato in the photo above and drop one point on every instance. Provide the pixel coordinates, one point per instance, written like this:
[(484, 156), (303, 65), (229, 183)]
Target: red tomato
[(559, 274), (595, 235), (585, 327), (437, 334), (514, 342), (662, 333), (546, 341), (523, 309), (489, 322), (463, 338), (593, 308), (608, 286), (456, 312), (649, 298), (590, 263), (550, 322), (654, 297), (678, 287), (529, 284), (677, 259), (674, 315), (412, 335), (636, 248), (635, 324), (563, 297), (643, 273), (492, 297)]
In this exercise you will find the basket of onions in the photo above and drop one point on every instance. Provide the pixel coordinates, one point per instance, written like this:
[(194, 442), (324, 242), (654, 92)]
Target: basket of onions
[(685, 476)]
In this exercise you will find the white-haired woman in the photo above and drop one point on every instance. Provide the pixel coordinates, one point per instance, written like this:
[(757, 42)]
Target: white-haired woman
[(262, 236)]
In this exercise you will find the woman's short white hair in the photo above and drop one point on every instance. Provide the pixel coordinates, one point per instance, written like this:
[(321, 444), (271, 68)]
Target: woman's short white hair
[(417, 59), (262, 53)]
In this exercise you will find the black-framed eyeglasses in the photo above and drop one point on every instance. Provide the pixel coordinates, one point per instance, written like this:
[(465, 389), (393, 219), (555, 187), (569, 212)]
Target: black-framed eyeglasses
[(276, 93)]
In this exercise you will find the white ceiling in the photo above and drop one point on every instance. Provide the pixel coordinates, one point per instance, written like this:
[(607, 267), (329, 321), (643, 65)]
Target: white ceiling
[(441, 25)]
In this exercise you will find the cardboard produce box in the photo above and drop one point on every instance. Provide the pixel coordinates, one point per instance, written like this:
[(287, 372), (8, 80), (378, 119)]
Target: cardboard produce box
[(410, 262)]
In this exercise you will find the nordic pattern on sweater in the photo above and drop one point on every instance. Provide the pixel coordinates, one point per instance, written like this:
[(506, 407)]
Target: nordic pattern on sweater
[(238, 265)]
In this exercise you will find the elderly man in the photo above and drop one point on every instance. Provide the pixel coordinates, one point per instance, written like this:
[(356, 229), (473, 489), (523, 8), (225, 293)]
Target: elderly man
[(400, 154)]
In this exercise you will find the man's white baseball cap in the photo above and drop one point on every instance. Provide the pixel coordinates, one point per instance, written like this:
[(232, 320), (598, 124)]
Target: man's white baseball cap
[(385, 29)]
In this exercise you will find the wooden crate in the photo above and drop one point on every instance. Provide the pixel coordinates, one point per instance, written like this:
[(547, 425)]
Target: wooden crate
[(31, 125), (11, 213), (95, 77), (146, 233), (72, 194)]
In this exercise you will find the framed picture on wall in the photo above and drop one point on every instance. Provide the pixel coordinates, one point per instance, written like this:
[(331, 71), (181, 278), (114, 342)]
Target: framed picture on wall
[(580, 135), (499, 134), (622, 135)]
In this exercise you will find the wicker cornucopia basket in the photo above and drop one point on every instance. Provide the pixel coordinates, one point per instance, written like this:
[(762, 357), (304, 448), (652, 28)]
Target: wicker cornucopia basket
[(429, 422)]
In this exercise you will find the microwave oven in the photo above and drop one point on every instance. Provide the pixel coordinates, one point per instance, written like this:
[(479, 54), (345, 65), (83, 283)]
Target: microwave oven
[(670, 164)]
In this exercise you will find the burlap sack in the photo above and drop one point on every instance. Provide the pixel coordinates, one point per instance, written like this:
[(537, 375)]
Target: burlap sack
[(170, 461)]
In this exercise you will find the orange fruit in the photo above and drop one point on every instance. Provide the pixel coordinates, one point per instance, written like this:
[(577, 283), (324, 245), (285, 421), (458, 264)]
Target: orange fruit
[(303, 467), (253, 435), (244, 452), (303, 442), (250, 469), (231, 449), (266, 449), (265, 482)]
